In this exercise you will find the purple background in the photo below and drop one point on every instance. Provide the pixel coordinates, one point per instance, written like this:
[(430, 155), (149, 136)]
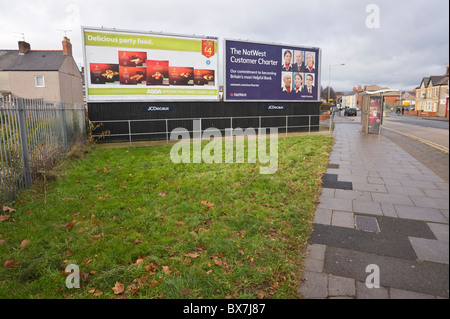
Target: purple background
[(268, 90)]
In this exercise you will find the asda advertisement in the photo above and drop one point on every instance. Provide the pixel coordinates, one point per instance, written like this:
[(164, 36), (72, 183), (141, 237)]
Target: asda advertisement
[(133, 66), (268, 72)]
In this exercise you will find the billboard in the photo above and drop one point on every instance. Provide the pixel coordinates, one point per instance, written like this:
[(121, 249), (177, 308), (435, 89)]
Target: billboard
[(271, 72), (142, 66)]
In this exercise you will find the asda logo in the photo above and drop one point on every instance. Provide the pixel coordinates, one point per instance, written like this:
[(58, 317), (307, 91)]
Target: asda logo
[(154, 91)]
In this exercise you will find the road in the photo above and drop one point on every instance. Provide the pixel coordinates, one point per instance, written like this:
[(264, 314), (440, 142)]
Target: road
[(435, 133), (432, 132)]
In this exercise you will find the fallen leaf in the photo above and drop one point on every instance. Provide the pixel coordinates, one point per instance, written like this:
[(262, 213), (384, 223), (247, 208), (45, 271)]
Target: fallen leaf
[(24, 243), (161, 193), (11, 263), (192, 255), (4, 218), (138, 241), (118, 288), (67, 198), (166, 270), (134, 288), (206, 203), (70, 225), (9, 209), (186, 291), (124, 187)]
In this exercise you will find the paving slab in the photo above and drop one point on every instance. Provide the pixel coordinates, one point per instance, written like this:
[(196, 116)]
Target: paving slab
[(342, 219), (420, 213), (440, 231), (430, 250), (370, 293), (315, 285), (341, 286), (411, 275), (404, 294)]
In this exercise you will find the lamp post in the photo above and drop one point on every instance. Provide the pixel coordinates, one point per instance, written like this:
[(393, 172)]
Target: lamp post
[(329, 78)]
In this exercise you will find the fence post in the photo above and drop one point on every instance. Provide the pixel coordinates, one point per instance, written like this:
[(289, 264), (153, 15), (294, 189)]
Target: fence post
[(129, 130), (309, 125), (63, 124), (167, 133), (83, 121), (286, 125), (24, 142)]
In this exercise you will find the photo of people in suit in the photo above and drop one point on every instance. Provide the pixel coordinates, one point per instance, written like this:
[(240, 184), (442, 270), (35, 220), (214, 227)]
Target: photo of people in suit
[(310, 66), (310, 89), (287, 60), (286, 85), (298, 83), (299, 65)]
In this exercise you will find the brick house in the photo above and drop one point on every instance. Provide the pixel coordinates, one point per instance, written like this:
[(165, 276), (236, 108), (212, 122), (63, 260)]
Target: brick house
[(432, 96), (41, 74)]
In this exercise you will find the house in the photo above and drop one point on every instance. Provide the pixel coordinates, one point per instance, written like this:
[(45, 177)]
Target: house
[(409, 100), (355, 97), (432, 96), (41, 74), (352, 99)]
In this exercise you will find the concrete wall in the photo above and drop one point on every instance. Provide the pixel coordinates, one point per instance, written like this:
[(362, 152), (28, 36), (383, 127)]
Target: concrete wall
[(71, 90)]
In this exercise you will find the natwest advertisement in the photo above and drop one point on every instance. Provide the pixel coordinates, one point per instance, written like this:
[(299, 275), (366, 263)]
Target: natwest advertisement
[(142, 66), (267, 72)]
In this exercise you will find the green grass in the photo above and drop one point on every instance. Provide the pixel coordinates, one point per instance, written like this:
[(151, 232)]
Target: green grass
[(173, 230)]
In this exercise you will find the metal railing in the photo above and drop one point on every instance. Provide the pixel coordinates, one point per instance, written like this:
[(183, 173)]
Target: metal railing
[(33, 134), (310, 123)]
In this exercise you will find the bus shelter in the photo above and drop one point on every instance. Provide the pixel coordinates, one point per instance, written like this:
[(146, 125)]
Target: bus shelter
[(373, 111)]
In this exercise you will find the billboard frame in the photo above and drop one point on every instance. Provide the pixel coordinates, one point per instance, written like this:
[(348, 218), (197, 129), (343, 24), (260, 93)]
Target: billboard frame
[(214, 98), (319, 91)]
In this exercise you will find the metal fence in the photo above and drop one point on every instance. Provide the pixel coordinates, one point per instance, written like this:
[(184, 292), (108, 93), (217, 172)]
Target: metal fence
[(33, 134), (160, 129)]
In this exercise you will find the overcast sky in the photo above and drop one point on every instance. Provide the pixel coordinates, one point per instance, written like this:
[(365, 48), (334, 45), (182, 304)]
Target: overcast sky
[(390, 43)]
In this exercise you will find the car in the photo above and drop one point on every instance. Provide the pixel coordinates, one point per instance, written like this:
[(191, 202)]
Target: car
[(350, 112)]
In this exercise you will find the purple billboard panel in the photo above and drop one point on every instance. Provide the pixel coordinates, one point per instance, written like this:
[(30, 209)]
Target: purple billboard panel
[(268, 72)]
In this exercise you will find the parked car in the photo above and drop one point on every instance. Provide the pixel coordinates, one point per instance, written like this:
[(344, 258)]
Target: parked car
[(350, 112)]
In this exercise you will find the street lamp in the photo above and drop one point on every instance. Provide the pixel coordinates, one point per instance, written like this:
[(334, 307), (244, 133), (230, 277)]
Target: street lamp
[(329, 78)]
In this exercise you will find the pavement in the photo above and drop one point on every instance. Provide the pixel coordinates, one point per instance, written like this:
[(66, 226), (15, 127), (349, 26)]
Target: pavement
[(381, 227)]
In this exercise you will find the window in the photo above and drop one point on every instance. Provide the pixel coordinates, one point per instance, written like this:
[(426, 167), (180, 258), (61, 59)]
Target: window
[(39, 80)]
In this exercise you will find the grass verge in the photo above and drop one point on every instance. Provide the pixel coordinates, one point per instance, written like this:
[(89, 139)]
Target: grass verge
[(139, 226)]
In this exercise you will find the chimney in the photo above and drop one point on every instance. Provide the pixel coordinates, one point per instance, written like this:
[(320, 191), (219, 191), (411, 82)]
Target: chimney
[(447, 70), (24, 47), (359, 87), (354, 88), (67, 46)]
